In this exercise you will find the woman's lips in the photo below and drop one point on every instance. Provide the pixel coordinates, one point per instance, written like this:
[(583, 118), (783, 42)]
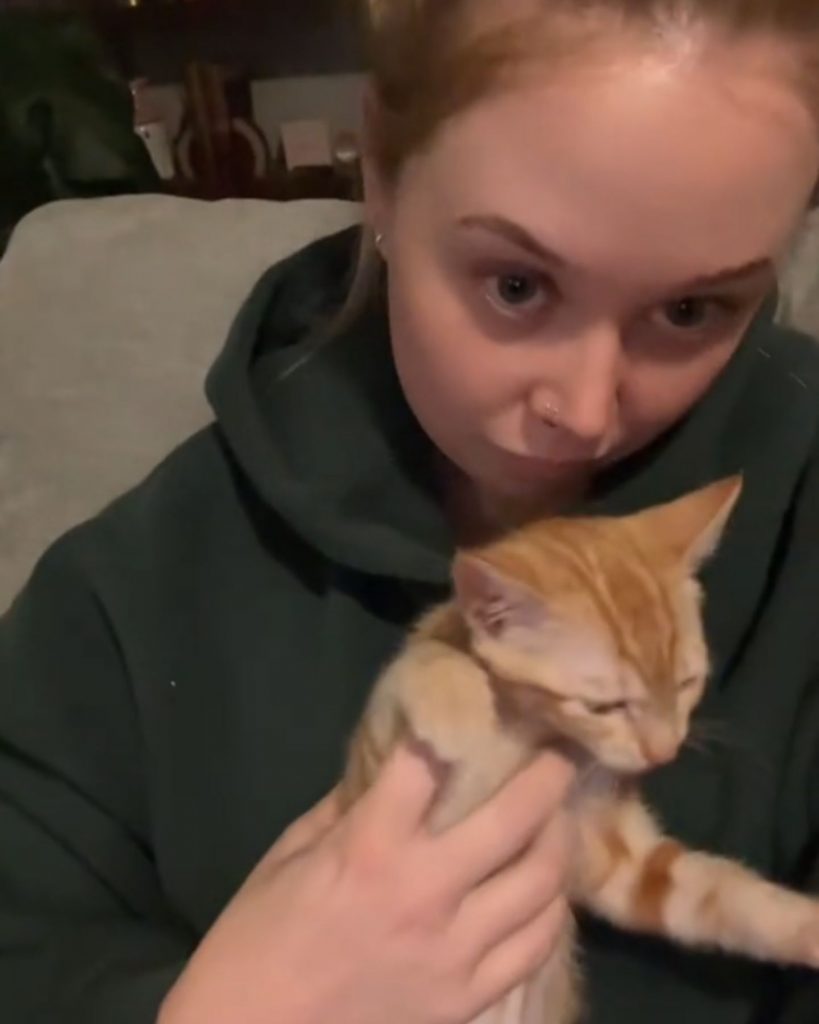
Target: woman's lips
[(543, 465)]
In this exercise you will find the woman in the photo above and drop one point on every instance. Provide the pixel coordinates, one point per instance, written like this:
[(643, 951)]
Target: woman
[(579, 208)]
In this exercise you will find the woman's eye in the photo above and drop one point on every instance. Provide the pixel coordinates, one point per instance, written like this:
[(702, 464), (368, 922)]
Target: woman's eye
[(687, 313), (694, 313), (610, 708), (517, 293)]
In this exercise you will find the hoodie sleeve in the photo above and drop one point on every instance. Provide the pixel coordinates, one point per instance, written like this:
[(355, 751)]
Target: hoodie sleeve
[(800, 825), (800, 1004), (85, 934)]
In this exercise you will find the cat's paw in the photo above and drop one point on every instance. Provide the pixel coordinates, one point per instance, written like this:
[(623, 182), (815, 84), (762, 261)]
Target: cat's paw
[(457, 731), (448, 705)]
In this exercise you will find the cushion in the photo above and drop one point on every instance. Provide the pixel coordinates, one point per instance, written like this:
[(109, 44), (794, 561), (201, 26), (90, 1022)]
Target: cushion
[(111, 312), (799, 281)]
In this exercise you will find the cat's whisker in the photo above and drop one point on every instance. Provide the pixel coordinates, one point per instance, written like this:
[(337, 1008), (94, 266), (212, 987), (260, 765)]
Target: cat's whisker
[(710, 727), (709, 738), (698, 744), (711, 734)]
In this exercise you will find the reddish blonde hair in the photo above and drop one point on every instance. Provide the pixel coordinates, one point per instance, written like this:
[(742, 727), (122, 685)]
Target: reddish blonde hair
[(430, 59)]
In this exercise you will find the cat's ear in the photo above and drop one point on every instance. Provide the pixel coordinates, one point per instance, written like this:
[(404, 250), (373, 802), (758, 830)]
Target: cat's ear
[(493, 601), (691, 527)]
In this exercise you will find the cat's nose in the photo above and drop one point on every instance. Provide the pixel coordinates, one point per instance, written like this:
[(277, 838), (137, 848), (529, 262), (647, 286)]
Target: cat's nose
[(660, 749)]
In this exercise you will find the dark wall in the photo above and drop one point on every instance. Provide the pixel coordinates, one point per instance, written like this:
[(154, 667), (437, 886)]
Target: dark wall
[(265, 38)]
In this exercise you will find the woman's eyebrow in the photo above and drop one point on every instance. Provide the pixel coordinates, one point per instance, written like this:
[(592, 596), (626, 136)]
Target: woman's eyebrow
[(523, 239), (732, 275), (514, 233)]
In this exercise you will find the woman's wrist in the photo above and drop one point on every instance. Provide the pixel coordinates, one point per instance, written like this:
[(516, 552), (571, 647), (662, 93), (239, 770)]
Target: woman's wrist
[(296, 1007)]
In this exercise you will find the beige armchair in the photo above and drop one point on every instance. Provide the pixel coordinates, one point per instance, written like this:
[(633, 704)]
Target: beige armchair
[(111, 312)]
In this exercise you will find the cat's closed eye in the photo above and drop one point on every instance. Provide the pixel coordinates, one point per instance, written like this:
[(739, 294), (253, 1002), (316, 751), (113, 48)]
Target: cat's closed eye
[(616, 706), (610, 708)]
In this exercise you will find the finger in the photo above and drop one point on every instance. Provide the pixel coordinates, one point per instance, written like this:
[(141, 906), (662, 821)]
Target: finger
[(519, 892), (399, 801), (307, 829), (523, 953), (502, 828)]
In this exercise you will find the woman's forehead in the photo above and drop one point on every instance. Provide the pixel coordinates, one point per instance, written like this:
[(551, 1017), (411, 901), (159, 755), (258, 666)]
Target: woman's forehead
[(637, 158)]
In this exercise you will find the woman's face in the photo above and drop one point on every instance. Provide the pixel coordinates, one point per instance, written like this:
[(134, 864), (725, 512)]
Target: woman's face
[(572, 263)]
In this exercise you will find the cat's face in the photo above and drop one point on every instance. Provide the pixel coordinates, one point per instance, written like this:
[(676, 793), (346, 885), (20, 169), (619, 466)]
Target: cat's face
[(593, 628)]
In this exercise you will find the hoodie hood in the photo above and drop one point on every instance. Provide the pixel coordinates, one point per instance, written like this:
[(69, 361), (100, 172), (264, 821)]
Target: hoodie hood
[(319, 425)]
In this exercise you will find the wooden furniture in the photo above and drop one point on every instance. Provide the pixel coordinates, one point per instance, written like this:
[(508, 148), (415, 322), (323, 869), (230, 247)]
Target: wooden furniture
[(221, 152)]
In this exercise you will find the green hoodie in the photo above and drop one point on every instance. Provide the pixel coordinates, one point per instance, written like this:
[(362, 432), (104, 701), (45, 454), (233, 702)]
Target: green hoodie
[(179, 677)]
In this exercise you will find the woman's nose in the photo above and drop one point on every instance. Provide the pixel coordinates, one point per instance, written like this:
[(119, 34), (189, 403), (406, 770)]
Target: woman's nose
[(583, 393)]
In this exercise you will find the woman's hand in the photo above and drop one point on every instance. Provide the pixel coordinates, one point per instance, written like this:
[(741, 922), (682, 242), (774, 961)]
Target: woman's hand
[(368, 917)]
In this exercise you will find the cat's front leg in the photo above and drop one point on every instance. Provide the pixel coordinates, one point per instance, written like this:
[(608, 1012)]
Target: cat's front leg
[(638, 878), (444, 699)]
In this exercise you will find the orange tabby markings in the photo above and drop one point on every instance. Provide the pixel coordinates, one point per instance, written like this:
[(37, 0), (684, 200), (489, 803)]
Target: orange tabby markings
[(606, 851), (655, 884), (616, 847)]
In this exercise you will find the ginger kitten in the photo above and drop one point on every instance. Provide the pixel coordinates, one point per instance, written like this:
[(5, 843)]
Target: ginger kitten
[(585, 633)]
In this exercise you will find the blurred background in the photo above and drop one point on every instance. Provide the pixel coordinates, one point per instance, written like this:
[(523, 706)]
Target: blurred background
[(203, 98)]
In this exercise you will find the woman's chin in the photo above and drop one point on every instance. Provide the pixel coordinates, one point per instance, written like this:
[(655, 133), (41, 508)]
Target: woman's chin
[(548, 484), (527, 474)]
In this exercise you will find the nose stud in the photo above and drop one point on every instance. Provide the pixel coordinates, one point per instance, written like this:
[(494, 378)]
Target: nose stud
[(551, 415)]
